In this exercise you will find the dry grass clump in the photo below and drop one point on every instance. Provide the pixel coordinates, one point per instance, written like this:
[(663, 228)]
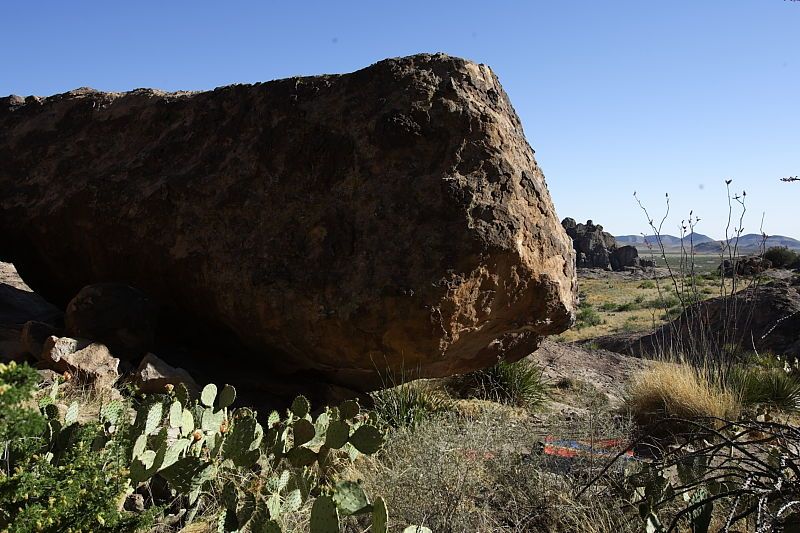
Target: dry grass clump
[(679, 390)]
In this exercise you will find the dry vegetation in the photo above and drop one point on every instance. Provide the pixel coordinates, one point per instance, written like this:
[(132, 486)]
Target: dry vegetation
[(614, 305), (674, 389)]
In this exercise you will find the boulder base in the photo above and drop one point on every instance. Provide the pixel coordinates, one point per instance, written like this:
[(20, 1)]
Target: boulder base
[(392, 219)]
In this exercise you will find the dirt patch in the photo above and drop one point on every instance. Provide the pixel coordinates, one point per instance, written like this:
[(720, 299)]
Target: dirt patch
[(584, 377)]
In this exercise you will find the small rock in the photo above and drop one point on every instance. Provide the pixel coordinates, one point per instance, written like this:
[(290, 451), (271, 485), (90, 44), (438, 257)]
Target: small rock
[(134, 503), (47, 376), (55, 349), (154, 374), (91, 361)]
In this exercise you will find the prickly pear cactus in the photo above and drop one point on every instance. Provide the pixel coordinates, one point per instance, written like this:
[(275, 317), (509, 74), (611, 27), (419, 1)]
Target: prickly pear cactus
[(324, 516), (350, 498), (367, 439), (380, 516)]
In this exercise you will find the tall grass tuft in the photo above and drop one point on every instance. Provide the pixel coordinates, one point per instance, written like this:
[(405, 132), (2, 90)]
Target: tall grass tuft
[(408, 404), (682, 391)]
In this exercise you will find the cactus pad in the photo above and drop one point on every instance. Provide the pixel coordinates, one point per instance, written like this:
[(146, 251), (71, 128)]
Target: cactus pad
[(380, 516), (324, 516), (208, 395), (303, 431), (300, 407), (72, 414), (292, 502), (226, 397), (188, 474), (348, 409), (337, 434), (350, 498), (111, 411), (152, 417), (367, 439), (175, 414), (301, 456)]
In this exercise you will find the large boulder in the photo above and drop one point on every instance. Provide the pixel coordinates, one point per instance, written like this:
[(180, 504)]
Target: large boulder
[(624, 257), (391, 219)]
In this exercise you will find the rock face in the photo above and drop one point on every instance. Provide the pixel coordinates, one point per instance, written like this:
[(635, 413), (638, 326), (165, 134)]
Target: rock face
[(392, 218), (595, 248)]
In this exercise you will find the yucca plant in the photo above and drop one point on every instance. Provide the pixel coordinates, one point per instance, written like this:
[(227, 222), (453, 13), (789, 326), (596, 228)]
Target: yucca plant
[(521, 383), (766, 386), (408, 404)]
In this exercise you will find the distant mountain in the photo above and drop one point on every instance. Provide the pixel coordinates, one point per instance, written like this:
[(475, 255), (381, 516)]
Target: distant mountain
[(750, 243), (669, 241), (704, 244)]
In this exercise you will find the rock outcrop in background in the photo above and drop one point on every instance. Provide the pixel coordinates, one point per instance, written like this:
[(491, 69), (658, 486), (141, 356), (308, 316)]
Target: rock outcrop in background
[(595, 248), (762, 318), (389, 219)]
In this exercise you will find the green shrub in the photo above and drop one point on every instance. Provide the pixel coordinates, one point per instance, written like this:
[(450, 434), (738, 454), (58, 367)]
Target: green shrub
[(79, 489), (664, 301), (21, 424), (647, 284), (781, 257), (521, 383), (587, 317), (619, 308), (57, 476)]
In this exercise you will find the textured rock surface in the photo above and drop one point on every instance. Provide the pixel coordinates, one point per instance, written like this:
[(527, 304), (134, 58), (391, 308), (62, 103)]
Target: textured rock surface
[(745, 266), (154, 374), (90, 361), (392, 217), (624, 256)]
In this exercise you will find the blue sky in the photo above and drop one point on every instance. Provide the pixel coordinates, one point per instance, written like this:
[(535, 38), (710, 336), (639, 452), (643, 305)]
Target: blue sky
[(615, 96)]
